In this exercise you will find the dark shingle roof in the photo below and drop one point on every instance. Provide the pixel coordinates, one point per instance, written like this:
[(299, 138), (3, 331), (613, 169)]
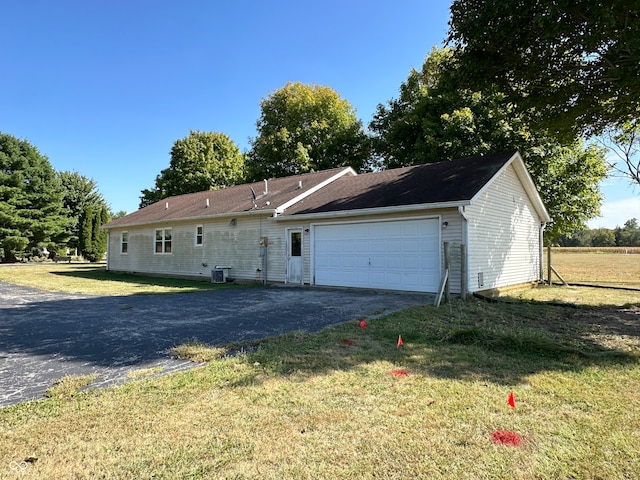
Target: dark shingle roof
[(226, 201), (443, 182), (450, 181)]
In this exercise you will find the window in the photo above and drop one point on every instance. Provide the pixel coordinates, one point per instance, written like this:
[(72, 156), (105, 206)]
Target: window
[(163, 240), (199, 236), (124, 242), (296, 244)]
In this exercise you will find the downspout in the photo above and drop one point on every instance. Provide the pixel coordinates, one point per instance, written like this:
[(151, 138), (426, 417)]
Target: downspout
[(465, 236), (541, 260)]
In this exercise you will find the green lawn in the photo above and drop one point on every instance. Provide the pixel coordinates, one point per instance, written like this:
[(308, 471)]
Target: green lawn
[(94, 279), (347, 402)]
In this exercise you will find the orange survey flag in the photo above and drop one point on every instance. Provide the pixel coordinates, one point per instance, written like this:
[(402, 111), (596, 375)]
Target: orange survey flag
[(399, 340), (512, 402)]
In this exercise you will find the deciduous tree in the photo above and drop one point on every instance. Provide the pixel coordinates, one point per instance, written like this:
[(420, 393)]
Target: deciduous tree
[(436, 118), (623, 141), (200, 161), (304, 128), (572, 65)]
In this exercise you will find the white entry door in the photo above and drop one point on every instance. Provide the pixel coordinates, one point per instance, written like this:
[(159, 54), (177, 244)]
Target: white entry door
[(392, 255), (294, 255)]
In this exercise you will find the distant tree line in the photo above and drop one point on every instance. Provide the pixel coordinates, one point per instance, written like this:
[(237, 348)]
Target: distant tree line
[(626, 236)]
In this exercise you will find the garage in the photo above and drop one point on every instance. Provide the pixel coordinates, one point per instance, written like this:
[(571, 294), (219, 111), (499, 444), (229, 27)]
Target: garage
[(393, 255)]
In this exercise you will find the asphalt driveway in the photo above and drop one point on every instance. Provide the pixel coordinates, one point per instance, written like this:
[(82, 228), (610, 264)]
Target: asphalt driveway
[(45, 336)]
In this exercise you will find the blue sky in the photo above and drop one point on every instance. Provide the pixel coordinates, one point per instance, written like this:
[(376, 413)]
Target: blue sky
[(105, 88)]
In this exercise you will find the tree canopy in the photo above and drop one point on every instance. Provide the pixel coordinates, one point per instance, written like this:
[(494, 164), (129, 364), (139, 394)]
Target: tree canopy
[(573, 65), (303, 128), (200, 161), (436, 119), (30, 199)]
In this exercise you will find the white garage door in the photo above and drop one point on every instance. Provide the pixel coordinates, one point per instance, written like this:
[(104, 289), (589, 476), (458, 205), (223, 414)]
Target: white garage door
[(395, 255)]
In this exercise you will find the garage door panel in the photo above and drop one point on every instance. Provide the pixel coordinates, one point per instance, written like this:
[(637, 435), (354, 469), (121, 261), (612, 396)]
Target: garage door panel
[(396, 255)]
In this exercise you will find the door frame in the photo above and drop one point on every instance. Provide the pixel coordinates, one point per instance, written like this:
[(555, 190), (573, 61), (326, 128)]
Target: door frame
[(288, 254)]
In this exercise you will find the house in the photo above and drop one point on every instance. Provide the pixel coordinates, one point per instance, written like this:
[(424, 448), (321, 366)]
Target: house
[(384, 230)]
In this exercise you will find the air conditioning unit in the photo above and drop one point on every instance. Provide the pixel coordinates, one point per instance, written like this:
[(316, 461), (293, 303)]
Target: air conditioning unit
[(217, 275)]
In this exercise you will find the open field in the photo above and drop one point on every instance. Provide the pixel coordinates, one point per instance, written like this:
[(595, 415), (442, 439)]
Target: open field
[(597, 267), (348, 402)]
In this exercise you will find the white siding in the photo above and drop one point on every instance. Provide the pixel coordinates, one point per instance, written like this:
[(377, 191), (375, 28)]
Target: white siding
[(238, 246), (503, 235), (223, 244)]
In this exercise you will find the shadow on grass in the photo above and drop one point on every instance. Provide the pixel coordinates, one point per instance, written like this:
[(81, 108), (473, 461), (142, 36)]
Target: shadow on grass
[(473, 340), (99, 273)]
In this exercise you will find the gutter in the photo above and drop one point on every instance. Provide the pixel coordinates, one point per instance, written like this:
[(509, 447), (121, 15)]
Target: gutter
[(271, 212), (373, 211)]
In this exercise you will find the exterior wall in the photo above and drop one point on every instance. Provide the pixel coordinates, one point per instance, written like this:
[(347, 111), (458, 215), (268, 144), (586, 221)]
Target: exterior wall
[(504, 241), (223, 244), (239, 246)]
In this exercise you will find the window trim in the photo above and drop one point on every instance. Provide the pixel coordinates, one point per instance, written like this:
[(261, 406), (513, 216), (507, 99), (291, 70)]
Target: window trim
[(199, 236), (124, 242), (162, 241)]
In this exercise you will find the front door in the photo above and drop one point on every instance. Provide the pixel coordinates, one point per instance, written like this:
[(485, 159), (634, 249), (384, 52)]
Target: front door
[(294, 255)]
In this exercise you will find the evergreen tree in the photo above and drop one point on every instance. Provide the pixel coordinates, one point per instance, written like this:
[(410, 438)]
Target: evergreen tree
[(92, 240), (79, 192), (30, 200), (99, 236), (86, 233)]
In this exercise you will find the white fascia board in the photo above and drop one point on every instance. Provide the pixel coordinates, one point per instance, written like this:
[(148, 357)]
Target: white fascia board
[(527, 183), (372, 211), (306, 193), (270, 212)]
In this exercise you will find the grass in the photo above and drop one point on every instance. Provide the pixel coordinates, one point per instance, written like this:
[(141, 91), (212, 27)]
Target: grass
[(314, 406), (144, 373), (197, 352), (69, 386), (94, 279), (601, 268)]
